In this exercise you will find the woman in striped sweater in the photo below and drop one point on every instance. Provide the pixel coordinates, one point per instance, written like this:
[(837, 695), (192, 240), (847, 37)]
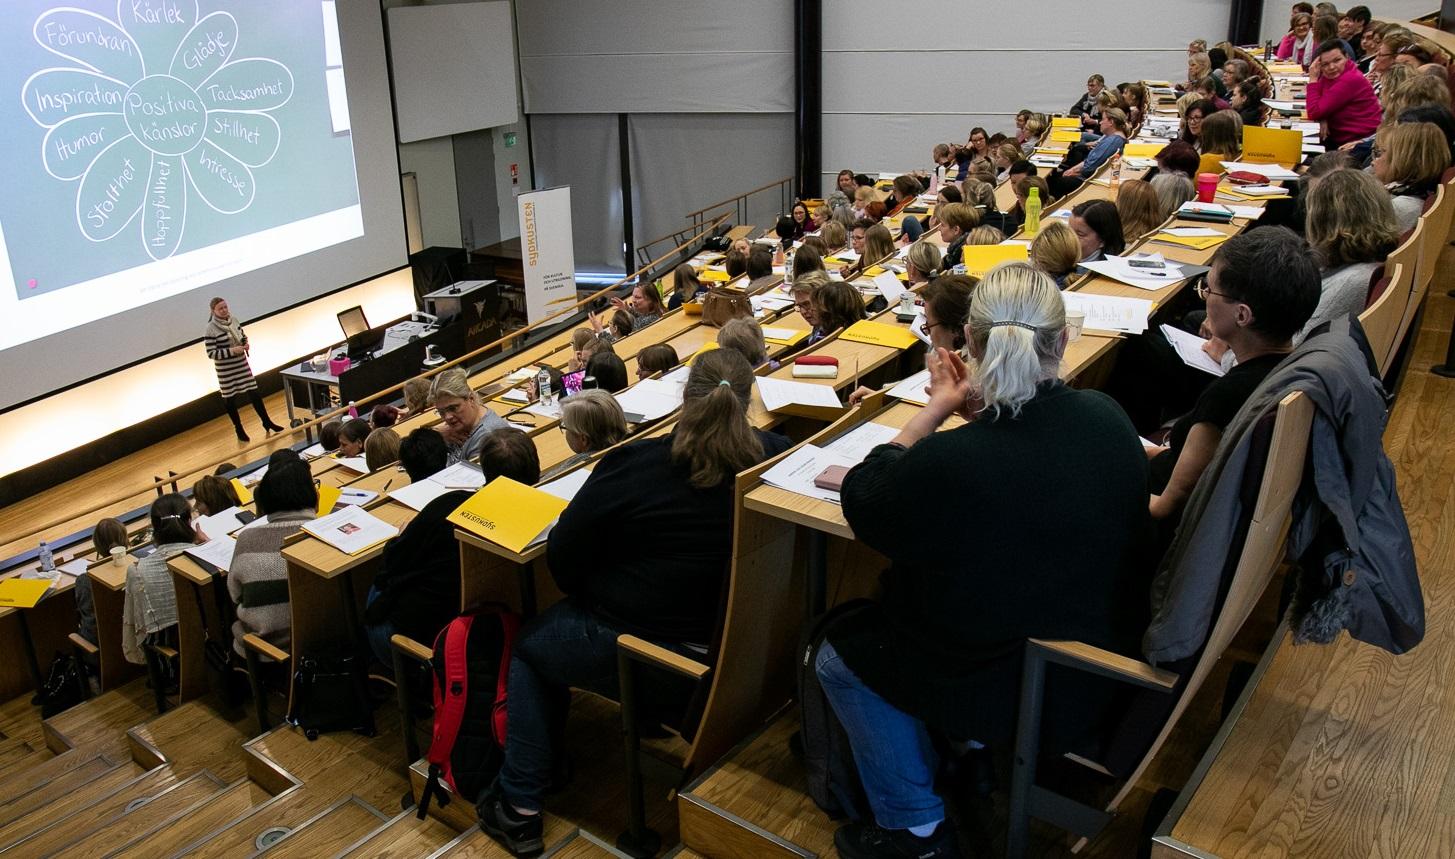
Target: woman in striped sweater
[(228, 348)]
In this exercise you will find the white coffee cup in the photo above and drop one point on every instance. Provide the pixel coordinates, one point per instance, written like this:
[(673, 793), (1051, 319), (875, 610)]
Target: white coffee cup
[(118, 556), (1075, 321)]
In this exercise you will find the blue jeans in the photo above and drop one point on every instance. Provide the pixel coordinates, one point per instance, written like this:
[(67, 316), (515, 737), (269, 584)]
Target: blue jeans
[(379, 635), (892, 749)]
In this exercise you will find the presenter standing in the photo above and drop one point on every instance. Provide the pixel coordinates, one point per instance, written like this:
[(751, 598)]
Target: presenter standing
[(228, 348)]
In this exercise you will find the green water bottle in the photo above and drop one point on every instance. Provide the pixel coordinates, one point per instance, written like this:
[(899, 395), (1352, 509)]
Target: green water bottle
[(1033, 211)]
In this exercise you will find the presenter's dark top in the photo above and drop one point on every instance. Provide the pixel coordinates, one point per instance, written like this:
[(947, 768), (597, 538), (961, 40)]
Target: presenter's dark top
[(997, 531), (643, 548)]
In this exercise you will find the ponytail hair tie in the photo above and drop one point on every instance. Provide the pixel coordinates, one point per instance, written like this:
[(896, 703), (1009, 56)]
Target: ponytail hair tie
[(1026, 325), (724, 383)]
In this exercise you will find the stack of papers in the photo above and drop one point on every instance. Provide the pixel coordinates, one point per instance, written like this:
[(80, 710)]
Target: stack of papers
[(418, 495), (913, 389), (354, 463), (888, 286), (253, 478), (510, 514), (225, 522), (1272, 172), (1121, 269), (797, 470), (1110, 313), (351, 530), (217, 552), (1189, 349), (650, 400), (784, 395), (566, 487), (857, 442), (1198, 238), (356, 496)]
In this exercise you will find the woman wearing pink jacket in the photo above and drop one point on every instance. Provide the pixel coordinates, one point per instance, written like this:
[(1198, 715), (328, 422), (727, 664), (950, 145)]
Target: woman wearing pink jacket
[(1340, 97)]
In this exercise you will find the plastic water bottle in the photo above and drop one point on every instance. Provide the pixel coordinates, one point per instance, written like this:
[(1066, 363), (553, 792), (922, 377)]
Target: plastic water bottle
[(543, 386), (353, 409), (1033, 211), (47, 560), (1116, 171), (788, 268)]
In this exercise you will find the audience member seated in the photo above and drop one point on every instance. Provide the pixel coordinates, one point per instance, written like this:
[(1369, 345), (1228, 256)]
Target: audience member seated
[(941, 649), (1098, 229), (678, 489), (1021, 186), (685, 286), (416, 396), (1056, 251), (1139, 209), (1035, 129), (807, 258), (656, 358), (580, 339), (802, 221), (836, 305), (1172, 190), (645, 306), (1247, 100), (607, 372), (591, 421), (1352, 25), (1221, 140), (1179, 156), (383, 415), (381, 448), (328, 435), (875, 211), (1207, 89), (956, 222), (981, 195), (834, 236), (1298, 46), (258, 578), (107, 535), (803, 291), (1352, 227), (212, 495), (878, 246), (978, 145), (417, 590), (760, 270), (1192, 120), (1086, 107), (149, 604), (1003, 156), (1263, 287), (1340, 97), (351, 437), (464, 419), (745, 336), (1409, 159), (922, 264), (735, 264), (622, 324), (954, 161), (985, 235)]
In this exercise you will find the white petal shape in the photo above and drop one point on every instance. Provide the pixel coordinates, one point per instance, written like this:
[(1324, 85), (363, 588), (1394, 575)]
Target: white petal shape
[(250, 84), (206, 49), (251, 138), (91, 40), (112, 191), (157, 26), (53, 95), (164, 215), (223, 182), (71, 146)]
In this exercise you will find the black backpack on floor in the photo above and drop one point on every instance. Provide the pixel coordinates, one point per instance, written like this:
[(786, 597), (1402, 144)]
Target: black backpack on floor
[(833, 778)]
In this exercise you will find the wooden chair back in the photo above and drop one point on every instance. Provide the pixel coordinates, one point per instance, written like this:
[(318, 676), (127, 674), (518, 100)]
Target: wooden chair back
[(1381, 319), (1433, 238)]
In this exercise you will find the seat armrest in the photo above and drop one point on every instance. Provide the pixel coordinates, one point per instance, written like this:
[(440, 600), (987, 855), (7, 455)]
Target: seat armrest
[(1076, 654), (83, 644), (263, 648), (649, 653), (411, 648)]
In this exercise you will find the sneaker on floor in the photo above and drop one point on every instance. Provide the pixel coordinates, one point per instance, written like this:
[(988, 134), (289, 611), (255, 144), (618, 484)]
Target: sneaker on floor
[(864, 840), (522, 834)]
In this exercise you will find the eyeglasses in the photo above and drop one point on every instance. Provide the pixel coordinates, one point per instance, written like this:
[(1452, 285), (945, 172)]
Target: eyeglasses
[(1203, 291), (446, 411), (926, 327)]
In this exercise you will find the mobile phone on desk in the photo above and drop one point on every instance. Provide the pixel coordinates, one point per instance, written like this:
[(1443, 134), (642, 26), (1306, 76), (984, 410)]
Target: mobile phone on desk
[(831, 478)]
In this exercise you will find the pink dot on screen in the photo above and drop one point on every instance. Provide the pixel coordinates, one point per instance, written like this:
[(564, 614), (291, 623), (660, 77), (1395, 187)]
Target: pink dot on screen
[(32, 283)]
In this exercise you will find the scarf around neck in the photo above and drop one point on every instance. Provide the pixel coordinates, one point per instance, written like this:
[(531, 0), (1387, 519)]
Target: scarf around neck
[(232, 326)]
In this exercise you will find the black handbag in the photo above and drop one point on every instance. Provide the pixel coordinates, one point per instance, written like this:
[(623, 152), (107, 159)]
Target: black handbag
[(64, 687), (329, 695)]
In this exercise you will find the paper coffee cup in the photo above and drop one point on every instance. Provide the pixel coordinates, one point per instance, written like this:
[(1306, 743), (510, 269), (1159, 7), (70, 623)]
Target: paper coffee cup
[(1075, 321), (118, 556)]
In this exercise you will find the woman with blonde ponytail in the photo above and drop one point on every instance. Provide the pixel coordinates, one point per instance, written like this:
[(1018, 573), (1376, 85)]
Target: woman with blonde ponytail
[(1034, 518), (666, 506)]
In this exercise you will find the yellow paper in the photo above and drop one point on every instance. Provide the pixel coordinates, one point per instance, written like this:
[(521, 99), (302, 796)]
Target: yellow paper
[(879, 334), (327, 497), (837, 261), (508, 513), (244, 494), (1272, 145), (1043, 151), (1065, 122), (874, 271), (1142, 150), (798, 335), (979, 259), (22, 593), (708, 274), (706, 347), (1065, 135), (1200, 243)]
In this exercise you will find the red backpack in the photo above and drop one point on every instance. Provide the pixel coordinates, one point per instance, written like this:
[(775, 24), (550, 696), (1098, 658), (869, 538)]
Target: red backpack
[(471, 665)]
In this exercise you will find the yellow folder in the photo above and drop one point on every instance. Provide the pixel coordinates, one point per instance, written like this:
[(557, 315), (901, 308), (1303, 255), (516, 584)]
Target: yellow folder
[(22, 593), (979, 259), (706, 347), (1200, 243), (1065, 135), (508, 513), (1142, 150), (1065, 122), (879, 334), (1272, 145), (327, 497), (244, 494), (711, 276)]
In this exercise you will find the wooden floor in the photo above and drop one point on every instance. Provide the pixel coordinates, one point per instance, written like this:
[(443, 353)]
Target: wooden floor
[(198, 446)]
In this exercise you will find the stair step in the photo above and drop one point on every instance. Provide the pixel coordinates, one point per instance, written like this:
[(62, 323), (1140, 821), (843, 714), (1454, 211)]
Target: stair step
[(335, 765), (124, 825), (26, 761), (13, 751), (291, 809), (755, 800), (21, 782), (403, 837), (587, 846), (20, 720), (328, 832), (90, 807), (101, 722), (96, 778), (219, 811), (193, 737), (473, 843)]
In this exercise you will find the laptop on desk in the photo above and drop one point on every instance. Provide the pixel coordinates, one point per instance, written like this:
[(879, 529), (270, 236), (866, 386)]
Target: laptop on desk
[(362, 340)]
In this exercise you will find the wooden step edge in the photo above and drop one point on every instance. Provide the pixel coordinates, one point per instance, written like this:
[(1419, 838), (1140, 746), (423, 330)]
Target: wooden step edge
[(585, 836), (709, 828), (26, 780), (475, 832), (260, 808), (142, 751), (127, 785), (108, 765), (268, 773), (299, 829), (457, 813), (180, 815), (373, 833), (221, 788)]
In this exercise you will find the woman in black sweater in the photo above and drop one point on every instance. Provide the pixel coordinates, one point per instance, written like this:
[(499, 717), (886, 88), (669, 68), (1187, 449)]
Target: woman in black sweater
[(665, 586), (1030, 520)]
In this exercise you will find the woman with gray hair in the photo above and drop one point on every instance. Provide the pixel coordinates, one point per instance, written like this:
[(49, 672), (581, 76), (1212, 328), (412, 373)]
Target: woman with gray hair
[(464, 420), (1037, 507)]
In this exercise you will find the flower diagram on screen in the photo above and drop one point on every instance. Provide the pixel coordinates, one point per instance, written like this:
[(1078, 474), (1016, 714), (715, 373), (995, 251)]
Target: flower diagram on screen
[(155, 114)]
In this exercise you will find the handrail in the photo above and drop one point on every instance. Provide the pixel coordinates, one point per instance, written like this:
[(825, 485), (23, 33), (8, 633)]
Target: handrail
[(737, 197), (517, 333), (739, 202)]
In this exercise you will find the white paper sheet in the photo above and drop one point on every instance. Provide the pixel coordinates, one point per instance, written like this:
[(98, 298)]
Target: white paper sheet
[(461, 475), (356, 496), (913, 389), (354, 463), (889, 287), (653, 399), (217, 552), (1117, 268), (351, 529), (1189, 349), (857, 442), (313, 451), (1252, 213), (1110, 313), (796, 471), (778, 393), (545, 410), (1192, 232), (1273, 171), (566, 487), (418, 495), (221, 523)]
